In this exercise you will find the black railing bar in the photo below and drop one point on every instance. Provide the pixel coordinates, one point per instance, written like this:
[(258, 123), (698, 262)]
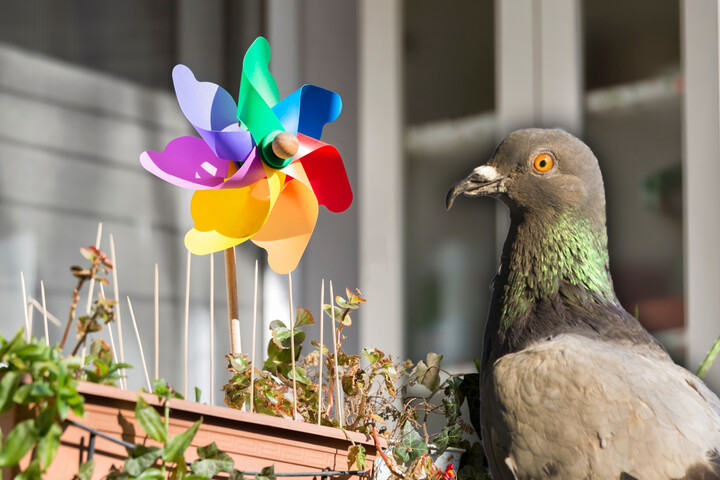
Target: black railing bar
[(100, 434), (325, 473)]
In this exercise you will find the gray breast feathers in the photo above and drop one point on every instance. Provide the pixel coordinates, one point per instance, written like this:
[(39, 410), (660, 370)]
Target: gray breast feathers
[(573, 408)]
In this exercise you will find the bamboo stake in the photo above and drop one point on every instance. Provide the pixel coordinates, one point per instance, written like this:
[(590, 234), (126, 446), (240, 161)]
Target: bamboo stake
[(187, 318), (157, 322), (88, 305), (30, 310), (25, 312), (91, 289), (52, 318), (254, 333), (212, 329), (142, 354), (320, 367), (292, 345), (45, 317), (109, 328), (338, 412), (117, 307), (232, 301)]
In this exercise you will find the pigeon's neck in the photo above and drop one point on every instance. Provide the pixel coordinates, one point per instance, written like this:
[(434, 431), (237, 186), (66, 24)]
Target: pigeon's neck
[(550, 262)]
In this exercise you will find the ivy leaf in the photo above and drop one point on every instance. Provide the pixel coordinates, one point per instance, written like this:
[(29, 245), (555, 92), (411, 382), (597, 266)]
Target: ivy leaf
[(18, 442), (303, 317), (150, 420), (236, 475), (176, 446), (212, 461), (267, 473), (47, 446), (86, 470), (141, 458), (411, 447), (449, 436)]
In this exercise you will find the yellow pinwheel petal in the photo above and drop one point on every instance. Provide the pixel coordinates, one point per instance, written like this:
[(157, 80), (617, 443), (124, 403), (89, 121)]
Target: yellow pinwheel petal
[(289, 227), (228, 217)]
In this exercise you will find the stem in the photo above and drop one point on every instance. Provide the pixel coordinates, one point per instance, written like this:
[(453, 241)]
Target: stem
[(73, 307), (384, 456), (709, 359)]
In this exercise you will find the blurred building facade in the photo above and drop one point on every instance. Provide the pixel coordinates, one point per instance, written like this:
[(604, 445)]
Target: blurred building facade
[(428, 89)]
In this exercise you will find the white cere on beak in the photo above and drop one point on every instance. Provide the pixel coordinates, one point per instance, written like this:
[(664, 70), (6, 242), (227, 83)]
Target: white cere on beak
[(486, 173)]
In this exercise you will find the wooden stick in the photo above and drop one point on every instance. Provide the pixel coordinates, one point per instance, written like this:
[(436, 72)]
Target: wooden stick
[(45, 316), (30, 310), (187, 318), (212, 329), (39, 307), (157, 322), (320, 367), (232, 301), (117, 308), (109, 328), (88, 305), (25, 302), (142, 354), (292, 345), (254, 333), (338, 412)]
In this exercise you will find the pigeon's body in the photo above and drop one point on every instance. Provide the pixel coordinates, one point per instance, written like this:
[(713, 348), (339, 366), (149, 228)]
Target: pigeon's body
[(572, 386)]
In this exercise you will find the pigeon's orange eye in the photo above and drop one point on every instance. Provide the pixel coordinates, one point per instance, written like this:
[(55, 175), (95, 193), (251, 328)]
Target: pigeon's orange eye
[(543, 163)]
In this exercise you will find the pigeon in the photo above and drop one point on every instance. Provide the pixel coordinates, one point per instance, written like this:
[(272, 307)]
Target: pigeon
[(572, 386)]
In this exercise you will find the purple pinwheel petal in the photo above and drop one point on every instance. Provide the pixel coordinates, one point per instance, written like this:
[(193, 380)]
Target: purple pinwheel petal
[(211, 110), (307, 110), (249, 172), (187, 162)]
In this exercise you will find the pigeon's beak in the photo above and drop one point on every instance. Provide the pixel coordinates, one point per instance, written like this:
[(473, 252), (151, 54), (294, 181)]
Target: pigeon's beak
[(484, 180)]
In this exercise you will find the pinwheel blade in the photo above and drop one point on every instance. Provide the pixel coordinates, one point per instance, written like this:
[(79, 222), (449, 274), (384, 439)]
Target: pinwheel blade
[(258, 93), (307, 110)]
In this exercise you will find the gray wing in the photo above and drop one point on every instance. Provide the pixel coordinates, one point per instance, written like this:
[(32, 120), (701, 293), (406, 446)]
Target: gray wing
[(574, 407)]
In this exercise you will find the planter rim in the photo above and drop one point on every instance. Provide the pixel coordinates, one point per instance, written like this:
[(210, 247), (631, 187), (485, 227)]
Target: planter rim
[(108, 391)]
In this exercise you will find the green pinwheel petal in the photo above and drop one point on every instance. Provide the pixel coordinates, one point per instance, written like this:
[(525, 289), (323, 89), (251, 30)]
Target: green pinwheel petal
[(258, 93)]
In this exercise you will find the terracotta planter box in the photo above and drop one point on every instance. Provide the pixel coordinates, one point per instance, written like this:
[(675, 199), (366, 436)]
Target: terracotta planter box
[(253, 440)]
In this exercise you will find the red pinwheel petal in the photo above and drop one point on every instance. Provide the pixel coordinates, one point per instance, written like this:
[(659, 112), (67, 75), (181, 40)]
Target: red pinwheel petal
[(326, 173)]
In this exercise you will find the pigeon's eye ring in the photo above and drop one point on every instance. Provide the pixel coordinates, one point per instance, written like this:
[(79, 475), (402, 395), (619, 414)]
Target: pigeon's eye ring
[(543, 163)]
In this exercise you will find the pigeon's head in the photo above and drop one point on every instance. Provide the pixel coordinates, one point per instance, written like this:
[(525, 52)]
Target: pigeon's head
[(538, 172)]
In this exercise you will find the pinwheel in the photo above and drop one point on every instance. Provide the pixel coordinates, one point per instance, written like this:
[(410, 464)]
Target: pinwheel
[(259, 169)]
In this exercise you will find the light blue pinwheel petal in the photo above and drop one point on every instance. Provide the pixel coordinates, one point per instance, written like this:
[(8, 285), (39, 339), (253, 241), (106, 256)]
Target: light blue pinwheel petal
[(308, 109), (211, 110)]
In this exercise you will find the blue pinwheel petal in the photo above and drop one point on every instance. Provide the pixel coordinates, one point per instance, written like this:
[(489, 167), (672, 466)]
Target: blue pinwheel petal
[(211, 110), (307, 110)]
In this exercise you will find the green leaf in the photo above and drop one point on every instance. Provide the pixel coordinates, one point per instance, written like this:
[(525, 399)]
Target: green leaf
[(150, 420), (236, 475), (32, 472), (303, 317), (411, 447), (151, 474), (176, 446), (47, 446), (8, 386), (198, 394), (212, 461), (448, 437), (373, 356), (141, 458), (338, 312), (86, 470), (356, 457), (267, 473), (18, 443)]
